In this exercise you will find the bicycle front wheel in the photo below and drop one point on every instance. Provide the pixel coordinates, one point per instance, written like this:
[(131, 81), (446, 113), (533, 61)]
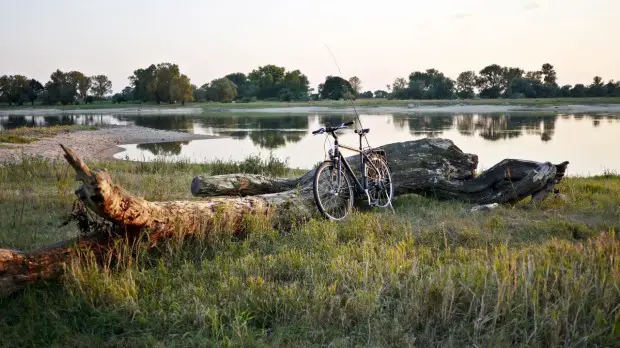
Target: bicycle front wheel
[(333, 192)]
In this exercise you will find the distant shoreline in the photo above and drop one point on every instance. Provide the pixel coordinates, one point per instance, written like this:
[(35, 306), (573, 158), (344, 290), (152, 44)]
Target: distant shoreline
[(361, 106)]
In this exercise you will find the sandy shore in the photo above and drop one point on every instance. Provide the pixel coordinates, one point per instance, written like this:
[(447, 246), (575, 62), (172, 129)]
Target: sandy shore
[(93, 144)]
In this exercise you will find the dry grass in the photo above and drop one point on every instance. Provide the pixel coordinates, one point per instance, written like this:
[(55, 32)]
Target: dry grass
[(25, 135), (434, 274)]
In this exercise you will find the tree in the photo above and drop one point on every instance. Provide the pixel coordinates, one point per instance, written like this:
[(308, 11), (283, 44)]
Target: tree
[(335, 88), (564, 92), (245, 89), (465, 84), (491, 81), (534, 75), (268, 79), (579, 91), (181, 89), (101, 86), (200, 94), (165, 73), (381, 94), (356, 84), (34, 89), (549, 74), (143, 83), (14, 89), (62, 88), (295, 86), (613, 88), (399, 88), (221, 90), (367, 95), (430, 84), (596, 88), (82, 83)]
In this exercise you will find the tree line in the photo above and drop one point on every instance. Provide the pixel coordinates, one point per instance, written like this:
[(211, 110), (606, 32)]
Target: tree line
[(164, 83), (495, 81), (63, 87)]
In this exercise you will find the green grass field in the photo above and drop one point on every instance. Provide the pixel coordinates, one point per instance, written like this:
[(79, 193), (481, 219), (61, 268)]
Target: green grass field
[(432, 275), (540, 102)]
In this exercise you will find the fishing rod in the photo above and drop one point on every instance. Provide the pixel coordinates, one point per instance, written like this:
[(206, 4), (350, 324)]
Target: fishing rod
[(351, 100)]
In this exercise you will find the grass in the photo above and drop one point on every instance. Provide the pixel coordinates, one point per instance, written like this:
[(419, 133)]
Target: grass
[(25, 135), (433, 274), (210, 106)]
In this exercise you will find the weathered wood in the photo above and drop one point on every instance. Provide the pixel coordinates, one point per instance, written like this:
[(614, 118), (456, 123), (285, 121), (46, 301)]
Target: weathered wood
[(433, 167), (430, 167)]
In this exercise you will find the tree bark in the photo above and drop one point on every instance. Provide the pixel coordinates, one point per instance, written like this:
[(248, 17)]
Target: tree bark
[(431, 167)]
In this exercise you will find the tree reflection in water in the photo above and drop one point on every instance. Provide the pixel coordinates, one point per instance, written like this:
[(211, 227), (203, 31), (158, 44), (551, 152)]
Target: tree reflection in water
[(171, 148), (502, 126), (273, 139)]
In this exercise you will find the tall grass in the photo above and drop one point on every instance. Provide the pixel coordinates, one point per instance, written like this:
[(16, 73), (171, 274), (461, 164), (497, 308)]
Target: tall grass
[(433, 274)]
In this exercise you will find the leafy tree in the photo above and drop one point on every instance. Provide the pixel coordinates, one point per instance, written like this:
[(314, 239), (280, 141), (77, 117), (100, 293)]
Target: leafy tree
[(101, 86), (82, 83), (512, 73), (596, 88), (465, 84), (579, 91), (14, 89), (399, 88), (564, 92), (381, 94), (221, 90), (165, 73), (335, 88), (491, 81), (200, 94), (61, 88), (143, 83), (613, 88), (356, 84), (534, 75), (268, 80), (34, 90), (430, 84), (367, 95), (549, 74), (245, 89), (295, 86), (181, 89)]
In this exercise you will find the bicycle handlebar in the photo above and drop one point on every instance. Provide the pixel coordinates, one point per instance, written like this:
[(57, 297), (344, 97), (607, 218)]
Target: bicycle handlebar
[(332, 129)]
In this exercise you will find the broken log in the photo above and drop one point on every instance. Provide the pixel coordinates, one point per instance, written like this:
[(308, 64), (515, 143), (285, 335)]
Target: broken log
[(430, 167), (433, 167)]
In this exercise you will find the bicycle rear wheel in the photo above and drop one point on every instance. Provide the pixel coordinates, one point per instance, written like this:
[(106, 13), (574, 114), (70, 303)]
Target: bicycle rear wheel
[(380, 185), (333, 192)]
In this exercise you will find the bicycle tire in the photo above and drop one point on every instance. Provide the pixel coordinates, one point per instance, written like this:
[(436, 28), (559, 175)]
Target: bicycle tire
[(345, 183), (386, 177)]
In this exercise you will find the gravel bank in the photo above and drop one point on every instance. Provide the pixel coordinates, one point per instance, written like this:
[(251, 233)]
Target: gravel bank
[(93, 144)]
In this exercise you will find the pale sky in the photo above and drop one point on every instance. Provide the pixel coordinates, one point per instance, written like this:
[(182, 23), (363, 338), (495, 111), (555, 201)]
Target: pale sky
[(374, 40)]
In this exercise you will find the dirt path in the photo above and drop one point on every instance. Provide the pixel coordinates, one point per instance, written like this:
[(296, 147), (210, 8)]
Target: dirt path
[(93, 144)]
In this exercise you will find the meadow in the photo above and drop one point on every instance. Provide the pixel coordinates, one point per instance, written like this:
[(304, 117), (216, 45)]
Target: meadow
[(432, 274)]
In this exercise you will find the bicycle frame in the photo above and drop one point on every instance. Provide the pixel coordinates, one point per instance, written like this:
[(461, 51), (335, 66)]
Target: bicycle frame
[(338, 158)]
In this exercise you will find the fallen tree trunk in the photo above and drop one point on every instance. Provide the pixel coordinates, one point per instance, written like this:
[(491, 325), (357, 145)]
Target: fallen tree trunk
[(430, 167)]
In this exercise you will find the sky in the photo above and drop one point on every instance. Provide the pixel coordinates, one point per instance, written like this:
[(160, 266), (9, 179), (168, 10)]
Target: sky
[(376, 41)]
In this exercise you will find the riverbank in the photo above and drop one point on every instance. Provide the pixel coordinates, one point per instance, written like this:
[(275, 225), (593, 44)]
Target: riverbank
[(95, 144), (362, 105), (433, 273)]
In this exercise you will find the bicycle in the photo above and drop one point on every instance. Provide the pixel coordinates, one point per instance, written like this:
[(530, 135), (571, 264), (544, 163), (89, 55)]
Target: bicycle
[(375, 182)]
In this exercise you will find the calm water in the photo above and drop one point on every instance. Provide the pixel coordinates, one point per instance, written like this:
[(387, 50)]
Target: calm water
[(589, 142)]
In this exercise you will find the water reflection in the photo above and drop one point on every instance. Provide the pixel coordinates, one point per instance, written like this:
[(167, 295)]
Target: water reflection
[(493, 136), (172, 148)]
